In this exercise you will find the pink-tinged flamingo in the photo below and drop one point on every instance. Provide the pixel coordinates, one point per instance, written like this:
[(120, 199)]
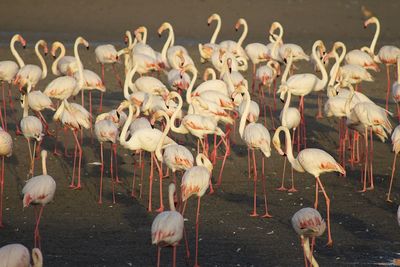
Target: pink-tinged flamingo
[(30, 72), (62, 64), (107, 54), (256, 137), (313, 161), (145, 139), (39, 190), (396, 150), (206, 50), (6, 147), (167, 228), (17, 255), (74, 117), (196, 181), (303, 84), (8, 71), (290, 117), (31, 128), (178, 80), (266, 75), (106, 131), (308, 223), (236, 47)]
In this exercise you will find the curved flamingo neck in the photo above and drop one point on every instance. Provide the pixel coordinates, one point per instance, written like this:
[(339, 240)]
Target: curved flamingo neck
[(181, 129), (289, 151), (129, 36), (246, 111), (14, 52), (217, 30), (54, 68), (163, 136), (37, 257), (285, 108), (321, 66), (348, 101), (191, 85), (202, 160), (168, 43), (287, 69), (128, 81), (78, 59), (244, 33), (376, 36), (126, 126), (44, 66), (398, 70), (144, 31)]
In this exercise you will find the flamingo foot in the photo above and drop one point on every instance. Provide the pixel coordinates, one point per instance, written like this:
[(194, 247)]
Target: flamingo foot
[(100, 202), (319, 116), (371, 187), (330, 243), (57, 153), (118, 181), (363, 190), (266, 215), (282, 188), (18, 131), (48, 133), (254, 214), (78, 187), (292, 190), (389, 200)]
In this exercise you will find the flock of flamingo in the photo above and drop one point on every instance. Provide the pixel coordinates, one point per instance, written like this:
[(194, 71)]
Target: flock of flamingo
[(154, 109)]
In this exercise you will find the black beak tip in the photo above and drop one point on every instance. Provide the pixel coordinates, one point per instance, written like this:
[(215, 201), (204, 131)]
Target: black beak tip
[(365, 27), (159, 35), (284, 60), (24, 46), (87, 48), (54, 57), (283, 101), (45, 53), (208, 24)]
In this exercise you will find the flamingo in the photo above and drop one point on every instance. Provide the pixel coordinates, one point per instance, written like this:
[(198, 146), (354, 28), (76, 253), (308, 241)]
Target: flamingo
[(6, 147), (31, 128), (17, 255), (107, 54), (106, 131), (313, 161), (396, 89), (74, 117), (303, 84), (178, 80), (256, 136), (62, 64), (176, 55), (196, 181), (396, 150), (167, 228), (8, 71), (145, 139), (266, 75), (290, 117), (236, 47), (33, 73), (209, 72), (308, 223), (141, 47), (39, 190), (206, 50)]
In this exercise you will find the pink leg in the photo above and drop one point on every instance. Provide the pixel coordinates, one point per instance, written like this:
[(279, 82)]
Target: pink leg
[(275, 95), (292, 189), (391, 179), (223, 163), (4, 124), (37, 235), (151, 181), (1, 191), (371, 154), (254, 79), (319, 103), (91, 116), (80, 159), (365, 161), (283, 188), (388, 86), (174, 256), (266, 215), (117, 76), (160, 177), (117, 180), (112, 174), (197, 231), (327, 201), (141, 174), (72, 185), (101, 173), (158, 255), (254, 214)]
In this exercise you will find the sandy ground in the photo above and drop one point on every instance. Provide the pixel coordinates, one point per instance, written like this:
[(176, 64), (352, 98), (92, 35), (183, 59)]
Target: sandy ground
[(76, 231)]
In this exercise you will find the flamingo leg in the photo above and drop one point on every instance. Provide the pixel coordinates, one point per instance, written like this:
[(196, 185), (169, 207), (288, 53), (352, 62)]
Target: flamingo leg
[(133, 194), (388, 85), (32, 170), (264, 179), (223, 161), (197, 231), (1, 191), (248, 163), (160, 172), (112, 173), (274, 94), (141, 174), (158, 255), (304, 250), (316, 195), (174, 256), (319, 103), (371, 154), (37, 234), (117, 180), (292, 189), (254, 214), (4, 123), (101, 173), (72, 185), (66, 143), (253, 79), (365, 162), (151, 181), (391, 179), (80, 159), (283, 188), (117, 76), (91, 116), (327, 200)]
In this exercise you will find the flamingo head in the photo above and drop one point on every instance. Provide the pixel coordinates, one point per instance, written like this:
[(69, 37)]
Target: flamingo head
[(277, 142), (370, 20), (211, 18), (162, 28), (275, 25), (22, 41)]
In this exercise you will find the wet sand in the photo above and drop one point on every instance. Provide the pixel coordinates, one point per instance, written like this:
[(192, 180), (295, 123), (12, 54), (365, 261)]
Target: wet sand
[(76, 231)]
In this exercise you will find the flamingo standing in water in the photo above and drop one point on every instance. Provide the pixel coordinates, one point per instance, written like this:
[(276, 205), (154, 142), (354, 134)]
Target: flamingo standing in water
[(39, 190), (256, 136), (33, 73), (8, 71), (308, 223), (196, 181), (396, 150), (167, 228), (314, 161), (6, 146), (107, 54), (17, 255)]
